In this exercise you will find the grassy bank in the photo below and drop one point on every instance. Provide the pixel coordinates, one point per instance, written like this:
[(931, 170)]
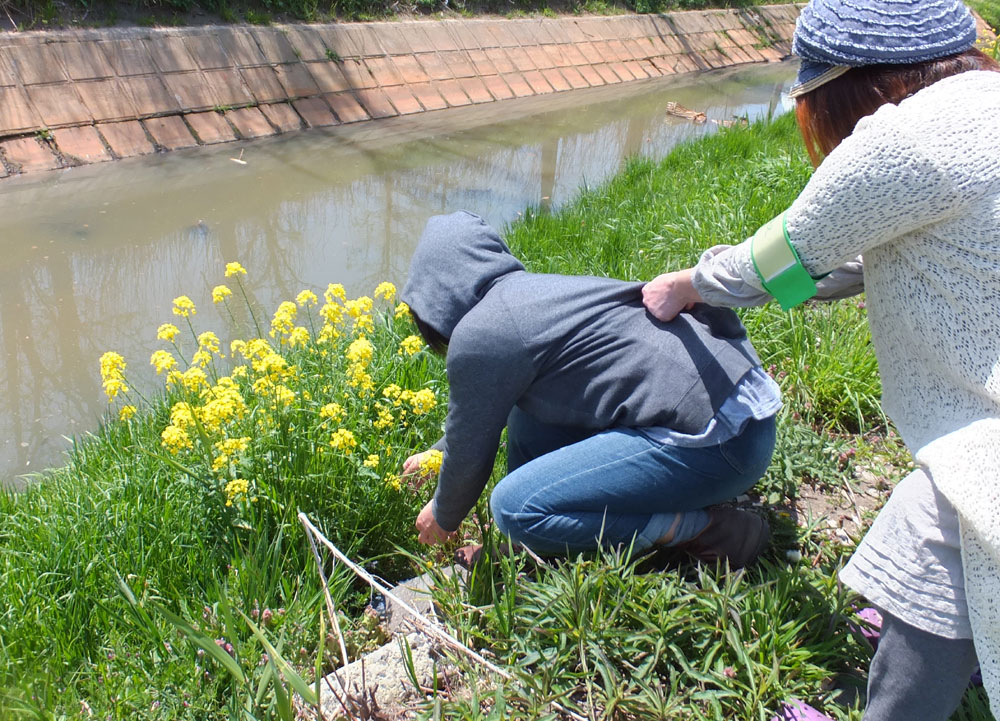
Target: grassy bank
[(147, 578), (36, 14), (989, 10)]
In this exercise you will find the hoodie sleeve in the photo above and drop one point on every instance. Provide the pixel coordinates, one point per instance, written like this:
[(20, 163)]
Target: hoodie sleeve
[(489, 369)]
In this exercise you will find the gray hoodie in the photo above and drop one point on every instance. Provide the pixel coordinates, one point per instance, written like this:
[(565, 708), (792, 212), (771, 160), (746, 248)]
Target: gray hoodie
[(568, 350)]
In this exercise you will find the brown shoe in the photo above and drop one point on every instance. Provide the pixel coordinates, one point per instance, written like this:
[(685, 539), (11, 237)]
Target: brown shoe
[(731, 535)]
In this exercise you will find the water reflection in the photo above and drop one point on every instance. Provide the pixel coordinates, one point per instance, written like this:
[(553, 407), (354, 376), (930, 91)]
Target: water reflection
[(94, 256)]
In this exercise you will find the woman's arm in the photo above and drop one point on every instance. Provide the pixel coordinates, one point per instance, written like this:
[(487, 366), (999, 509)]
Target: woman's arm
[(878, 185)]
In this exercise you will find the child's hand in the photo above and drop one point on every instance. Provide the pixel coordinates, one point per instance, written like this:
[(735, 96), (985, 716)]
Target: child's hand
[(412, 469), (428, 530)]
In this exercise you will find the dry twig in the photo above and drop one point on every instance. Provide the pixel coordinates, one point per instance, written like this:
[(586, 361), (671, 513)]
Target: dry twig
[(430, 628)]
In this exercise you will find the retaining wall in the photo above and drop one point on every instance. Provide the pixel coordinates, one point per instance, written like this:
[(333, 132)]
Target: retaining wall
[(86, 96)]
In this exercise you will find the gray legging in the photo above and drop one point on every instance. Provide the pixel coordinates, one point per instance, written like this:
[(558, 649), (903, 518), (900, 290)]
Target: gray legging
[(916, 675)]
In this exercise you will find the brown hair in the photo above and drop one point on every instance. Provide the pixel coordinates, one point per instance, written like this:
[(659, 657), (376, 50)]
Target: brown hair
[(829, 113)]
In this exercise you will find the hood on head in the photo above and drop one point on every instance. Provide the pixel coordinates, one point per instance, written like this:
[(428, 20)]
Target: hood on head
[(457, 260)]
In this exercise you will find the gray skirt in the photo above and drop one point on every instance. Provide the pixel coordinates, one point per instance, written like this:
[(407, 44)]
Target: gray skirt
[(910, 561)]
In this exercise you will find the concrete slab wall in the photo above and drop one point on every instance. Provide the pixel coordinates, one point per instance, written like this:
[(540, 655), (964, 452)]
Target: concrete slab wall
[(87, 96)]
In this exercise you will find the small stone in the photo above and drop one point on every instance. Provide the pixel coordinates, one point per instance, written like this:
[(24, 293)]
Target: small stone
[(793, 555)]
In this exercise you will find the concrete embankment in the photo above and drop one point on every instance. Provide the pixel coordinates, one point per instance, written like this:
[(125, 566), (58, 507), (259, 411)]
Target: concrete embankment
[(86, 96)]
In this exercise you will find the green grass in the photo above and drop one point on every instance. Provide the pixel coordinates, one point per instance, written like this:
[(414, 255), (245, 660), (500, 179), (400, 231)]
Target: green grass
[(47, 13), (989, 10), (124, 576), (130, 517)]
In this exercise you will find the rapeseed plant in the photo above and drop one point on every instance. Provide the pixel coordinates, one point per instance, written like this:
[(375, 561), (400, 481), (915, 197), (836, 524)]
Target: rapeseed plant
[(234, 422)]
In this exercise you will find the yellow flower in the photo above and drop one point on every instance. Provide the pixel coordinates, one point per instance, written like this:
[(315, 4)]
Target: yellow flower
[(385, 419), (371, 461), (284, 319), (299, 337), (360, 351), (327, 334), (306, 297), (431, 463), (126, 412), (220, 293), (167, 332), (394, 482), (272, 365), (232, 445), (222, 404), (343, 440), (201, 358), (192, 379), (239, 372), (364, 324), (392, 391), (162, 361), (385, 290), (359, 306), (112, 375), (234, 269), (112, 365), (278, 393), (182, 415), (184, 306), (333, 411), (209, 341), (335, 291), (332, 313), (423, 401), (236, 490), (175, 439), (358, 378), (411, 345), (256, 348), (402, 311), (283, 395)]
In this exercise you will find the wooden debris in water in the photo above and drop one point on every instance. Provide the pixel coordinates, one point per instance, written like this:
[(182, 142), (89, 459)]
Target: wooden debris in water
[(679, 111), (699, 118)]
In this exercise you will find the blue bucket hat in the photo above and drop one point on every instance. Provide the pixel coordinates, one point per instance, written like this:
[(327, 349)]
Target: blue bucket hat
[(832, 36)]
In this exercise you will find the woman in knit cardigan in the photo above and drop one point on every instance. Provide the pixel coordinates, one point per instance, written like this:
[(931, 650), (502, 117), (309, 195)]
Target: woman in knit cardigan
[(902, 117)]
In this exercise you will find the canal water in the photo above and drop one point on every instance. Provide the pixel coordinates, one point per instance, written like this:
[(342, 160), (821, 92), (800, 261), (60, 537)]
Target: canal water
[(92, 257)]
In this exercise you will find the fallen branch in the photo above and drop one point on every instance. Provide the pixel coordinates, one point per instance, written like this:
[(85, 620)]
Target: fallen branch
[(430, 628)]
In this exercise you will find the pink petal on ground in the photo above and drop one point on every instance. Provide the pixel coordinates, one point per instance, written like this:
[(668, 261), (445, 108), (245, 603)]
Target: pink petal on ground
[(796, 710), (872, 623)]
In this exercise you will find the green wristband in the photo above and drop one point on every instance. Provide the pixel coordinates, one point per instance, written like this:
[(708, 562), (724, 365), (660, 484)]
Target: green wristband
[(778, 265)]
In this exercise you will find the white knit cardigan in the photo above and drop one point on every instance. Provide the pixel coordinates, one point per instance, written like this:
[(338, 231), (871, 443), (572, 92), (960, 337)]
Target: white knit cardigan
[(916, 190)]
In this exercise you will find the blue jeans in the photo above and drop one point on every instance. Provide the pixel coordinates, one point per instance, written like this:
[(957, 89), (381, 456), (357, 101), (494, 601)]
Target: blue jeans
[(573, 489)]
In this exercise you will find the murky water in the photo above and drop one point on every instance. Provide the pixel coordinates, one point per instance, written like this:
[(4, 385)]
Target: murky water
[(92, 257)]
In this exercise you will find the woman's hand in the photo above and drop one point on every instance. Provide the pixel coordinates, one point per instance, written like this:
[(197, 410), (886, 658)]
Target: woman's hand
[(428, 530), (667, 295)]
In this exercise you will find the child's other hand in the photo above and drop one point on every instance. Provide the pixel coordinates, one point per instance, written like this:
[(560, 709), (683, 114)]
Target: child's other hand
[(428, 530)]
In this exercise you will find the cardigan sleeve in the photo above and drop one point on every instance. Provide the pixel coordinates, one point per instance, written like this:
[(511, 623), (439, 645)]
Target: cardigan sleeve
[(721, 280), (876, 186)]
